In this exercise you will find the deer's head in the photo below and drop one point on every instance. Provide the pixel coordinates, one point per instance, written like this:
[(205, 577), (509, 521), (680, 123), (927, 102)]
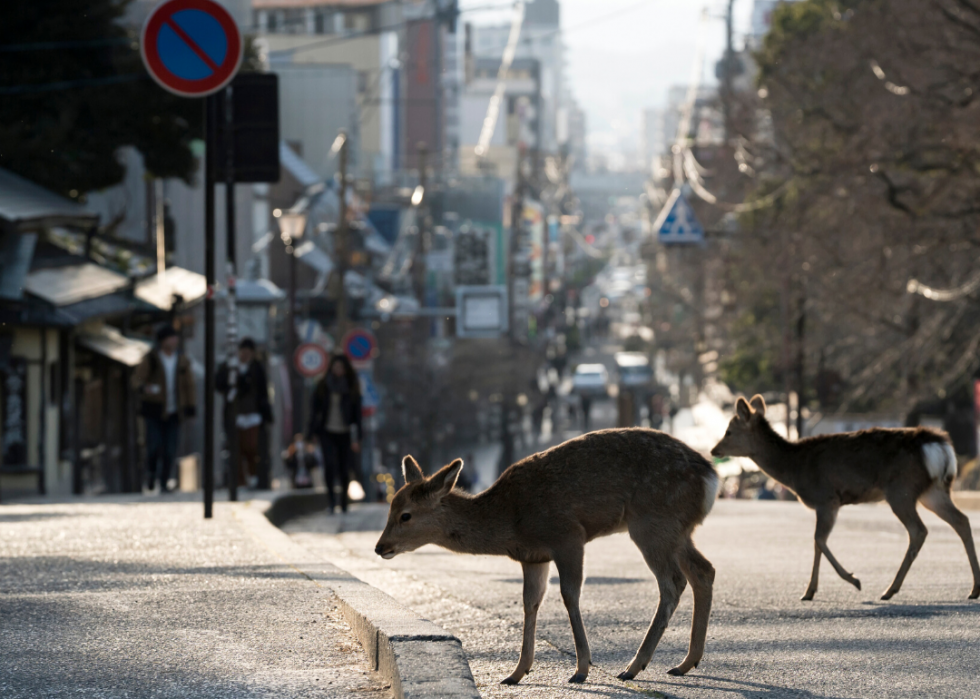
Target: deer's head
[(738, 439), (418, 516)]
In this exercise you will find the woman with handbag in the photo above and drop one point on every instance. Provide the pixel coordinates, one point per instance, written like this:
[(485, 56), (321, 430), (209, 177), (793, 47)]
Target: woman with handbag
[(336, 424)]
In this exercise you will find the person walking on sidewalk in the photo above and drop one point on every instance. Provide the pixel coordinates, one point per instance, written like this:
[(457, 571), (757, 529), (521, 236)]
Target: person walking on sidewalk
[(252, 401), (336, 423), (164, 382)]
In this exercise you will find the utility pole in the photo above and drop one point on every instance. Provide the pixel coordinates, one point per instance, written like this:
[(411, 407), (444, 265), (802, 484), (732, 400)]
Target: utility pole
[(341, 242), (728, 74), (422, 248)]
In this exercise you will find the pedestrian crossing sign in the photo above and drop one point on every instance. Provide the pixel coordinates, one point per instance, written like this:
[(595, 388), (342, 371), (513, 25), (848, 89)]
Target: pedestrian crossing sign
[(677, 222)]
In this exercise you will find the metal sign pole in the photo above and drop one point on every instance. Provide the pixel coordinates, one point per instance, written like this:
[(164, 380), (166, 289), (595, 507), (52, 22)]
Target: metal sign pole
[(210, 104), (231, 321)]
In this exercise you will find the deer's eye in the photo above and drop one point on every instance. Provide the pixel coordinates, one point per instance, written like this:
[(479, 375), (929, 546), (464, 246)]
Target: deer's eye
[(406, 516)]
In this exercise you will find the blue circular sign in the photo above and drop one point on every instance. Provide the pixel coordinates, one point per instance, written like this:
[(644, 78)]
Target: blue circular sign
[(191, 47), (359, 345)]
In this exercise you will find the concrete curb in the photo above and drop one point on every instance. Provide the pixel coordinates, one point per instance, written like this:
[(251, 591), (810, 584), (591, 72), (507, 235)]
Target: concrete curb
[(417, 657)]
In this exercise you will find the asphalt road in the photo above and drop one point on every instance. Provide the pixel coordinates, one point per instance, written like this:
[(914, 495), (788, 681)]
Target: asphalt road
[(762, 640), (144, 598)]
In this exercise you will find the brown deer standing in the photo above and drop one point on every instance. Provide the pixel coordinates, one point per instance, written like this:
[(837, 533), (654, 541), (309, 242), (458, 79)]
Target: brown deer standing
[(901, 466), (548, 506)]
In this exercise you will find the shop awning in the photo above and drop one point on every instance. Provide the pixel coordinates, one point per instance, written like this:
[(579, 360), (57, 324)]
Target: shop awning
[(64, 286), (111, 343), (29, 206), (160, 289), (257, 291)]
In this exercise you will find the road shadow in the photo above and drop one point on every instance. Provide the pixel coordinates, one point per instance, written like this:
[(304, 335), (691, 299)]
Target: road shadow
[(48, 574), (588, 581), (740, 688), (37, 516)]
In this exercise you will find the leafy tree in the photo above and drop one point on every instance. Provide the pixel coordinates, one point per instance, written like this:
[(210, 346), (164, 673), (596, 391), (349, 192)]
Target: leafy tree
[(873, 108), (73, 90)]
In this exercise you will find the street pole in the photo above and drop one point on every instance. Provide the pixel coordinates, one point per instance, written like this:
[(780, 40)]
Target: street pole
[(728, 74), (419, 267), (210, 108), (342, 247), (296, 382), (231, 321)]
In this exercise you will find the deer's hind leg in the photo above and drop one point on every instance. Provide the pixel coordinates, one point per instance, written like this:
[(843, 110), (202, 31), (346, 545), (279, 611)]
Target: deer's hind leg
[(701, 574), (904, 509), (938, 500), (661, 555), (570, 562), (535, 585), (826, 518)]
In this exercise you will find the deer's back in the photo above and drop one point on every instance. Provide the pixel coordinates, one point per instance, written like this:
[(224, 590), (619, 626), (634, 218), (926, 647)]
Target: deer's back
[(601, 480), (862, 466)]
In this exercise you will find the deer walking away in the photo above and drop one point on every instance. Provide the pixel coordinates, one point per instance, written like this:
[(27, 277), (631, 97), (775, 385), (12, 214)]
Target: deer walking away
[(548, 506), (901, 466)]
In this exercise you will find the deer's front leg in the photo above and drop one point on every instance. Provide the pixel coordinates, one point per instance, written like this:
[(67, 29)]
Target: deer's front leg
[(535, 585), (826, 518), (571, 571)]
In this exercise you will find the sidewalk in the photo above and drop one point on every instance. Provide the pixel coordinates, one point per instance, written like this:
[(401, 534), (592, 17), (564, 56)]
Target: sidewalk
[(145, 598)]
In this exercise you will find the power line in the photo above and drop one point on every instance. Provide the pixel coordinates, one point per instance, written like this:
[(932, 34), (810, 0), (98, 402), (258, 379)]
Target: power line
[(69, 84), (57, 45)]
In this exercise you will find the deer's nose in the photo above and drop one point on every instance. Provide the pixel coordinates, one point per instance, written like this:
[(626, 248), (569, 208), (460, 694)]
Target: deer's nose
[(378, 549)]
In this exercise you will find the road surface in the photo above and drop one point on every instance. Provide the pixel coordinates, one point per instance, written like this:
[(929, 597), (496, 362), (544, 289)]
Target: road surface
[(129, 597), (762, 640)]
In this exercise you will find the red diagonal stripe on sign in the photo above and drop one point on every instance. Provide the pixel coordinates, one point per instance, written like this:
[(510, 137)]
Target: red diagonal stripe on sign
[(185, 37)]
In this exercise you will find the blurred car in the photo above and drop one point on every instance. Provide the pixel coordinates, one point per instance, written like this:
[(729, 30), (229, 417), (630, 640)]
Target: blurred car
[(633, 370), (590, 380)]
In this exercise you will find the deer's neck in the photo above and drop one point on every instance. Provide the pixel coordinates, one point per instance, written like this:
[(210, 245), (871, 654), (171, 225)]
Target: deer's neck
[(774, 455), (476, 524)]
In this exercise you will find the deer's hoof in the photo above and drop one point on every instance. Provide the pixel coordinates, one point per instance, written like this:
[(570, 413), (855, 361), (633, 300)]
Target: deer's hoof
[(976, 592), (808, 597), (510, 680), (677, 671), (855, 582), (577, 678), (888, 595), (626, 675)]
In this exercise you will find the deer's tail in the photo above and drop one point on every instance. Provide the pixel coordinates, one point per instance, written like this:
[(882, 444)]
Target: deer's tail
[(711, 486), (940, 461)]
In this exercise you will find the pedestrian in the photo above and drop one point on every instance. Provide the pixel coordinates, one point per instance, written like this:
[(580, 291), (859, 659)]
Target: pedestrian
[(300, 462), (164, 382), (336, 424), (252, 409)]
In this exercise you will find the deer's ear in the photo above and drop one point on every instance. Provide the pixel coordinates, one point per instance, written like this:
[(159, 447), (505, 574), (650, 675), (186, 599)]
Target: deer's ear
[(411, 470), (758, 404), (742, 409), (444, 480)]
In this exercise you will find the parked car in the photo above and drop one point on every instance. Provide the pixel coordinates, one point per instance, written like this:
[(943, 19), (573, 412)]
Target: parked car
[(590, 380), (633, 370)]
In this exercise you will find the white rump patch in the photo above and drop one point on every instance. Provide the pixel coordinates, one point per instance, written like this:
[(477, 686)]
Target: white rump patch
[(940, 461), (711, 486)]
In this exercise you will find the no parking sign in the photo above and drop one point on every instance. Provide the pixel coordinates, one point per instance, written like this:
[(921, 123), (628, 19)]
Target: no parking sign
[(360, 345), (192, 48)]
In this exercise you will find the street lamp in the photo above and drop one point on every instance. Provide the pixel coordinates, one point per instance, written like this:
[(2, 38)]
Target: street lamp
[(291, 227)]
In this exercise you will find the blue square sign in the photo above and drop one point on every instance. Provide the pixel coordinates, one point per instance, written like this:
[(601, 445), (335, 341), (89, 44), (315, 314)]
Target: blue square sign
[(677, 222)]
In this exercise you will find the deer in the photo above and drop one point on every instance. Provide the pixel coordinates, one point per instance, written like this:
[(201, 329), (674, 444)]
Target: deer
[(901, 466), (547, 506)]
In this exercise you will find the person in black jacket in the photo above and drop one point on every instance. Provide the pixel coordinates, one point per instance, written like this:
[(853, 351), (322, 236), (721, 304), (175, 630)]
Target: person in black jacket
[(253, 408), (336, 424)]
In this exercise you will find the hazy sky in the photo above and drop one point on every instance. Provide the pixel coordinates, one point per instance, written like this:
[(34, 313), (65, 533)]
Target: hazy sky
[(623, 55)]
